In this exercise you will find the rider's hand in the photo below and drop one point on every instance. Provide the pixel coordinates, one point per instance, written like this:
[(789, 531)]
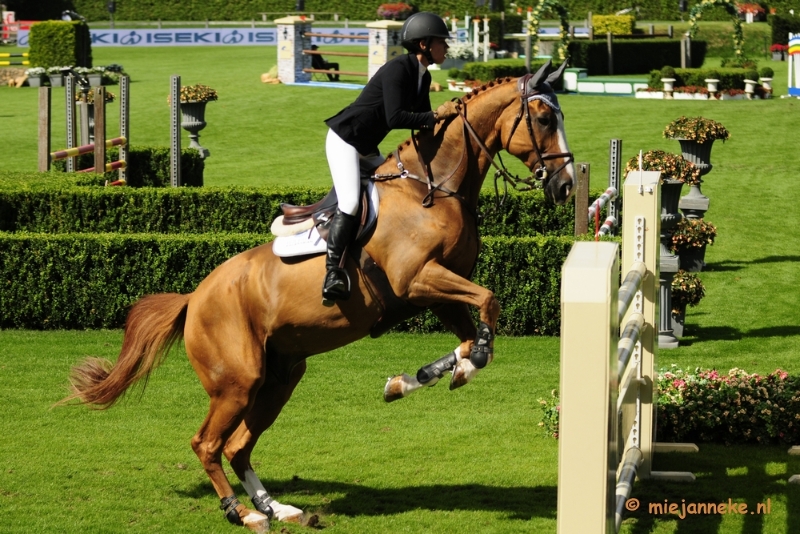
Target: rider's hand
[(446, 111)]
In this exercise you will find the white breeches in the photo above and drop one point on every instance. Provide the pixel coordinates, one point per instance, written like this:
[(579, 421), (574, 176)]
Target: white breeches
[(344, 160)]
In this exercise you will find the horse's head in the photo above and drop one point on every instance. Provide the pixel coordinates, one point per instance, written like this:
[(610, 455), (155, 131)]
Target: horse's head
[(535, 134)]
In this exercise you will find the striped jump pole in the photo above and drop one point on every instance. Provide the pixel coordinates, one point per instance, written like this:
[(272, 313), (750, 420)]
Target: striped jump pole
[(85, 149), (10, 63), (8, 54), (113, 166)]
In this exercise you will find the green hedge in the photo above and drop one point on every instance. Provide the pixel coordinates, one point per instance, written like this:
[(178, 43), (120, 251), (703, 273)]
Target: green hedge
[(74, 281), (36, 203), (616, 24), (60, 44), (631, 56), (148, 166), (783, 26), (729, 78)]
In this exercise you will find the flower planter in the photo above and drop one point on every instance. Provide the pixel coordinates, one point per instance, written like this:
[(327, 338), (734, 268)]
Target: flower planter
[(766, 83), (193, 120), (669, 86), (56, 80), (683, 96), (750, 88), (95, 80), (726, 96), (777, 56), (692, 259), (678, 319), (35, 81)]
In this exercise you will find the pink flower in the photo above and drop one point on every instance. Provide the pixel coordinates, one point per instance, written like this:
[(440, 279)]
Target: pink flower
[(679, 383)]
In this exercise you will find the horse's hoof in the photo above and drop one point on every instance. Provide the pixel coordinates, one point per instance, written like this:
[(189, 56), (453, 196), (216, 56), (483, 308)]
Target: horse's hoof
[(311, 521), (463, 373), (394, 389), (256, 522)]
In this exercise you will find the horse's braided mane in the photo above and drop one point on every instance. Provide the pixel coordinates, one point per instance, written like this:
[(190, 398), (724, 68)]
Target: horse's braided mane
[(469, 96)]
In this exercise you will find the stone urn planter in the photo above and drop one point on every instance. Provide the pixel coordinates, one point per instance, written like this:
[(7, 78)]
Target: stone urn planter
[(669, 86), (750, 88), (678, 320), (695, 203), (712, 85), (766, 83), (193, 120)]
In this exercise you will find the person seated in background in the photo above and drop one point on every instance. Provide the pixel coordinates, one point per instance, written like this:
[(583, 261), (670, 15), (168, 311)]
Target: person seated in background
[(318, 62)]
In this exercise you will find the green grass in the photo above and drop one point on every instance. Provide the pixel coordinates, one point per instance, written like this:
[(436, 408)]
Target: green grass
[(439, 460)]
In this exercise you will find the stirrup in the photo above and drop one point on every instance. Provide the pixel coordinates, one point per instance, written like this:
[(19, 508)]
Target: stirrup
[(331, 290)]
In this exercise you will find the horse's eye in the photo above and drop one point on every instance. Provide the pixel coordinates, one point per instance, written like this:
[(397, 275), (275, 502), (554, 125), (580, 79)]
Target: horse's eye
[(544, 121)]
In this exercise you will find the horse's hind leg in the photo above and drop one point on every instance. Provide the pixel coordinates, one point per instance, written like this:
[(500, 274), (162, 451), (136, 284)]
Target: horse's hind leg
[(269, 402), (230, 366)]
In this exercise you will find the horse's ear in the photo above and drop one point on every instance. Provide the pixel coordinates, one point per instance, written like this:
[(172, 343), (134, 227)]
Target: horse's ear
[(538, 78), (557, 74)]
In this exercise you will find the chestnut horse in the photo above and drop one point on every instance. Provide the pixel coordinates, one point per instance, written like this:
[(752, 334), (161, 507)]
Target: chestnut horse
[(250, 325)]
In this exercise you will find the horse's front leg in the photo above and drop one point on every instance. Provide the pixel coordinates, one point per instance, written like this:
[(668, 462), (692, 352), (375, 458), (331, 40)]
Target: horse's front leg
[(437, 284)]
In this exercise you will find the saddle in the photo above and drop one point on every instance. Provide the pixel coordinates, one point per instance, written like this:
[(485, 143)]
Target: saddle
[(296, 219)]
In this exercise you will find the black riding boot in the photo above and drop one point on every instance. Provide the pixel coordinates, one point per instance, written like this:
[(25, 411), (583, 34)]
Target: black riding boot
[(337, 282)]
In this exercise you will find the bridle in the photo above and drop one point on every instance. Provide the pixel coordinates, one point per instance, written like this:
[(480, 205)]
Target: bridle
[(539, 176), (540, 173)]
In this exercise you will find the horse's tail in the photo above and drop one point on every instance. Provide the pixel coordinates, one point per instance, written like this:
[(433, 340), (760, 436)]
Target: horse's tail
[(153, 325)]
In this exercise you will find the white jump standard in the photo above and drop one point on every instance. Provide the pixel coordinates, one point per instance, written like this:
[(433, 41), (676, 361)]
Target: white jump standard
[(606, 430)]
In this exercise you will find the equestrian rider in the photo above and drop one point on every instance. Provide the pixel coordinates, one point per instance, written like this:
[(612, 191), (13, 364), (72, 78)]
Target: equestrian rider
[(397, 96)]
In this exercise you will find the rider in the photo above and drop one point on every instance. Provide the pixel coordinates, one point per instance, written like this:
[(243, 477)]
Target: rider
[(397, 96)]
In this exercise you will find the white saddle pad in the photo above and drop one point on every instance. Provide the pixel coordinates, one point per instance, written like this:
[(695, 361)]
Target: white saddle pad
[(308, 241)]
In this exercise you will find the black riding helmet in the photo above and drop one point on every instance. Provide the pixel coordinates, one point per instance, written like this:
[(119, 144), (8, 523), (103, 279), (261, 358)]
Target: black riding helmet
[(423, 26)]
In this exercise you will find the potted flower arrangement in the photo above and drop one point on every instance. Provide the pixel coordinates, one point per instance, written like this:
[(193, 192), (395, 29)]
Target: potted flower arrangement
[(35, 75), (668, 79), (672, 166), (56, 76), (687, 289), (110, 97), (751, 12), (689, 241), (778, 51), (193, 100), (696, 136), (398, 11)]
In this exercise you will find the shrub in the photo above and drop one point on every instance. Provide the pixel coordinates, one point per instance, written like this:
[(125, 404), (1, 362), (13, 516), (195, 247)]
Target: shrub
[(766, 72), (615, 24), (631, 56), (55, 43)]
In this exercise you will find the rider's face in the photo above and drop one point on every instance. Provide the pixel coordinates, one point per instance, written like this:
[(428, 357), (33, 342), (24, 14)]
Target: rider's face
[(438, 50)]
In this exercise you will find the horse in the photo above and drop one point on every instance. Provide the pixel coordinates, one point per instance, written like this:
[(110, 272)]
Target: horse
[(250, 325)]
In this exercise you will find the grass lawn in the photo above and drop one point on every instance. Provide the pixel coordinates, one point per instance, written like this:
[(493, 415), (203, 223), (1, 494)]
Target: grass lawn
[(438, 460)]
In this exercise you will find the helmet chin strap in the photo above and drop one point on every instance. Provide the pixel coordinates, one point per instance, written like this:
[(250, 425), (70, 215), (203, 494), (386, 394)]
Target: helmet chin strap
[(427, 50)]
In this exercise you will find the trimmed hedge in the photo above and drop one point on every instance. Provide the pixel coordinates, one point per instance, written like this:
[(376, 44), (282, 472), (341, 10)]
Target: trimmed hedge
[(58, 43), (486, 71), (54, 203), (783, 26), (75, 281), (631, 56), (616, 24)]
